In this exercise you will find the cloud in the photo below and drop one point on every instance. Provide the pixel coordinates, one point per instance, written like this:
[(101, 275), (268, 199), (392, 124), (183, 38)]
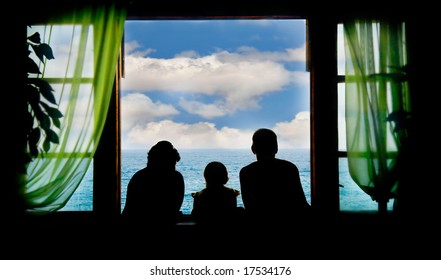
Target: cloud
[(289, 55), (293, 134), (209, 86), (207, 111), (131, 47), (138, 109), (237, 81)]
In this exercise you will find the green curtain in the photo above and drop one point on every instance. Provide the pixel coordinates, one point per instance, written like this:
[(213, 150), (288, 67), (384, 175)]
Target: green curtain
[(93, 35), (377, 104)]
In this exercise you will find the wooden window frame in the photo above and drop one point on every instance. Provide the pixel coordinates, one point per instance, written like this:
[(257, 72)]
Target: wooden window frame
[(322, 63)]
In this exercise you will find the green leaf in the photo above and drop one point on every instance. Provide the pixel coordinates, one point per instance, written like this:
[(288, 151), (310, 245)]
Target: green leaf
[(32, 94), (56, 122), (32, 67), (29, 121), (51, 111), (43, 50), (35, 38), (36, 108), (45, 122), (52, 136), (38, 52), (33, 149), (47, 51), (34, 136), (46, 145), (54, 113), (45, 89), (40, 112), (401, 118)]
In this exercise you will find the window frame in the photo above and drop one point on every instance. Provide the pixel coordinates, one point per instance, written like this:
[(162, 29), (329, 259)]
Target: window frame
[(322, 64), (324, 135)]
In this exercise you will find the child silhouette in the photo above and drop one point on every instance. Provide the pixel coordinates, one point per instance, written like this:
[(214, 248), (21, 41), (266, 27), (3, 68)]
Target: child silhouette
[(216, 203)]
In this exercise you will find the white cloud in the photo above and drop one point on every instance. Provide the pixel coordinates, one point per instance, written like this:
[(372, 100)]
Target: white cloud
[(289, 55), (233, 81), (138, 109), (132, 46), (293, 134), (237, 81), (189, 54), (207, 111), (186, 136)]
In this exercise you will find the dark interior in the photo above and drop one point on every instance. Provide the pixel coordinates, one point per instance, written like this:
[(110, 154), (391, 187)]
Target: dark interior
[(413, 233)]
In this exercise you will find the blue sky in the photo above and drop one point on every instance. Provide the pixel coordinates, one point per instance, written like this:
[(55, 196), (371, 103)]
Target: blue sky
[(208, 83), (211, 83)]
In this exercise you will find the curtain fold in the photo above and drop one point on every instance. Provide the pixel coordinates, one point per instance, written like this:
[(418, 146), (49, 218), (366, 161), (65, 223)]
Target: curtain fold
[(377, 104), (82, 76)]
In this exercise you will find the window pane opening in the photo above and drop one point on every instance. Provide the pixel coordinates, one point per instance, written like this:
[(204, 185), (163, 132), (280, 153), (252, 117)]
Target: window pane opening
[(352, 197), (206, 86), (61, 72)]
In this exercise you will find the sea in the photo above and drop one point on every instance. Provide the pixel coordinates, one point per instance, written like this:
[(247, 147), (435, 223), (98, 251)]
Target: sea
[(193, 162)]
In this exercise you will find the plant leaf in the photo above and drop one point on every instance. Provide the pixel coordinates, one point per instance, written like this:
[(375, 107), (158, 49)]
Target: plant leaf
[(29, 121), (38, 52), (45, 122), (33, 149), (401, 118), (32, 94), (47, 51), (43, 50), (34, 136), (45, 89), (52, 136), (54, 113), (46, 145), (56, 122), (35, 38), (37, 109), (32, 67)]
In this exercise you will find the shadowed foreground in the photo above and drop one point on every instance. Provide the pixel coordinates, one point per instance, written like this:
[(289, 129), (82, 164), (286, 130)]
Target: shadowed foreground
[(349, 236)]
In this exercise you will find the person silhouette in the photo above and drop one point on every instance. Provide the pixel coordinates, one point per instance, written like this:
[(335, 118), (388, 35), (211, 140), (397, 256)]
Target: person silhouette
[(271, 188), (156, 192), (216, 203)]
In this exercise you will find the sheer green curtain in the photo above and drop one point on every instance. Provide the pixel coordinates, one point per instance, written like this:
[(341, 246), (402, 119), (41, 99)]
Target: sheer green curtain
[(82, 75), (377, 104)]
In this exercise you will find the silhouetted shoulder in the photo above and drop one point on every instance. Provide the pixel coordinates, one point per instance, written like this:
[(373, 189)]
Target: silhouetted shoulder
[(268, 165)]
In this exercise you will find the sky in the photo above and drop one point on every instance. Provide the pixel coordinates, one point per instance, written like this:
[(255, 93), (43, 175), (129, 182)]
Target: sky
[(212, 83), (207, 83)]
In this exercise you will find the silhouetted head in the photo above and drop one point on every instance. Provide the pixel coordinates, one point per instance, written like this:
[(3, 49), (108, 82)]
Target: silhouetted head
[(215, 174), (264, 143), (163, 155)]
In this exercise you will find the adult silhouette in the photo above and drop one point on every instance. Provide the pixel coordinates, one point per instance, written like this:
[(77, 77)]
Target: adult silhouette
[(156, 192), (271, 188)]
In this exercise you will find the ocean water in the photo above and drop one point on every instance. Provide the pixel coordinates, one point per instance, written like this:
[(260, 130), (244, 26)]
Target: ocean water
[(192, 165)]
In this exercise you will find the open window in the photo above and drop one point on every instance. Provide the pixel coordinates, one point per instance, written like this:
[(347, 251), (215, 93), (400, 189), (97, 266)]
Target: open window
[(257, 78), (319, 48), (206, 86)]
